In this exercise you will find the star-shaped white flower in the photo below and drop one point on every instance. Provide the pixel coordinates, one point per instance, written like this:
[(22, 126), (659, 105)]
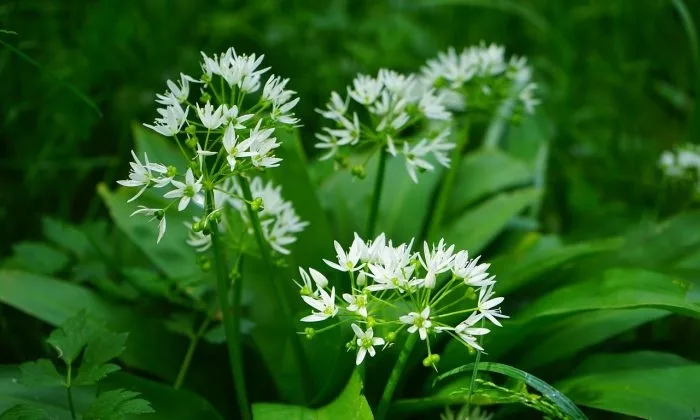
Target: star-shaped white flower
[(233, 148), (418, 322), (189, 190), (211, 118), (346, 261), (319, 280), (468, 333), (356, 303), (365, 343), (324, 306), (487, 305)]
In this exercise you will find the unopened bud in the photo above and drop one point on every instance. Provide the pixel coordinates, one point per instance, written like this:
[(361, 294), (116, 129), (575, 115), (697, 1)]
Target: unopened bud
[(191, 129), (431, 360), (257, 204), (371, 322), (358, 171), (172, 171), (191, 142), (361, 279), (160, 214), (471, 293), (310, 332), (197, 227), (206, 97), (342, 161), (194, 165), (391, 337)]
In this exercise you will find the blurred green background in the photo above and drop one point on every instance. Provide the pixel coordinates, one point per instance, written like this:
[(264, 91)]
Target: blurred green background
[(617, 80)]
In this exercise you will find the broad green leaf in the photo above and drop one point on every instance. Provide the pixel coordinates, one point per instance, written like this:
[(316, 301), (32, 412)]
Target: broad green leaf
[(579, 331), (116, 405), (68, 237), (151, 347), (484, 173), (350, 404), (168, 403), (474, 229), (27, 412), (172, 256), (548, 391), (647, 387), (39, 257), (617, 289), (40, 373), (520, 267)]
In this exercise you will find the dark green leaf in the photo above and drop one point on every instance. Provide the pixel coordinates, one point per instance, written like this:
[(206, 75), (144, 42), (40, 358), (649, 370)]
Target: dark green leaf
[(350, 404), (66, 236), (39, 257), (40, 373), (548, 391), (116, 405), (27, 412), (73, 334), (474, 229), (643, 385)]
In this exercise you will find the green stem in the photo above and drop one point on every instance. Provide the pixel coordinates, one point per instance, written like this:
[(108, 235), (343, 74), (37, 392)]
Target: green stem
[(69, 376), (476, 369), (230, 319), (394, 377), (190, 353), (279, 294), (376, 194), (434, 218)]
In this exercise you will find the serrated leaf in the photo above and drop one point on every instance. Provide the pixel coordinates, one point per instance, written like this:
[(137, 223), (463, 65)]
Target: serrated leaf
[(70, 338), (27, 412), (39, 257), (40, 373), (90, 375), (66, 236), (116, 404)]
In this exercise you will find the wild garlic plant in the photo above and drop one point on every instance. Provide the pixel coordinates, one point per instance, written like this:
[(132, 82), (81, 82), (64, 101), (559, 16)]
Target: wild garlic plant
[(681, 163), (227, 136), (396, 291), (480, 78)]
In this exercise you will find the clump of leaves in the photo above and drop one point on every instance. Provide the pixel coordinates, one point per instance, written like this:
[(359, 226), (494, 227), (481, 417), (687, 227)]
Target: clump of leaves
[(85, 347)]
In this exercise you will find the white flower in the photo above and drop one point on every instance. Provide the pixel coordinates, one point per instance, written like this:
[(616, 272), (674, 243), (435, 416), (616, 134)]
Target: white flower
[(465, 414), (366, 89), (189, 190), (415, 158), (365, 343), (473, 273), (261, 145), (431, 106), (234, 149), (350, 133), (171, 120), (141, 175), (356, 303), (487, 305), (211, 118), (162, 225), (468, 333), (418, 322), (324, 306), (183, 91), (234, 119), (319, 280), (435, 262), (327, 142), (346, 261), (335, 108), (440, 145)]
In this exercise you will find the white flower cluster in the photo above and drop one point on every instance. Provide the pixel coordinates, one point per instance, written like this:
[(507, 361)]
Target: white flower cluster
[(436, 291), (682, 162), (480, 75), (392, 111), (231, 134)]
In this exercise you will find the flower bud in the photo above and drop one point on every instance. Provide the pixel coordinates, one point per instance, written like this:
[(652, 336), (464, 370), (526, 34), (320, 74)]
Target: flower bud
[(194, 165), (191, 129), (351, 345), (371, 322), (358, 171), (431, 360), (160, 214), (391, 337), (361, 279), (471, 293), (257, 204), (172, 171), (342, 161), (191, 142), (206, 97), (197, 227), (310, 332)]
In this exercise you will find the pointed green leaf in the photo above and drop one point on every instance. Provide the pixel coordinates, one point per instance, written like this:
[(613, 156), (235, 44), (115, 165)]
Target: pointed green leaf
[(350, 404), (73, 334), (39, 257), (40, 373), (66, 236), (646, 387)]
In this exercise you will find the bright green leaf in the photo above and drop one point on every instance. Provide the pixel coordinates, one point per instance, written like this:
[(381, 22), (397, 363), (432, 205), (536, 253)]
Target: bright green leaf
[(39, 257), (40, 373), (73, 334), (350, 404), (646, 387)]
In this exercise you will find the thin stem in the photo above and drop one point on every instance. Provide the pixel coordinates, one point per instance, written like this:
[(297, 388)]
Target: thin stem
[(376, 194), (190, 353), (394, 377), (434, 218), (279, 294), (230, 319), (69, 376), (476, 369)]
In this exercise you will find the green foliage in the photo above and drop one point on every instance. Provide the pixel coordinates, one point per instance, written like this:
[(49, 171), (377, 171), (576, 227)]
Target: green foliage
[(116, 405)]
